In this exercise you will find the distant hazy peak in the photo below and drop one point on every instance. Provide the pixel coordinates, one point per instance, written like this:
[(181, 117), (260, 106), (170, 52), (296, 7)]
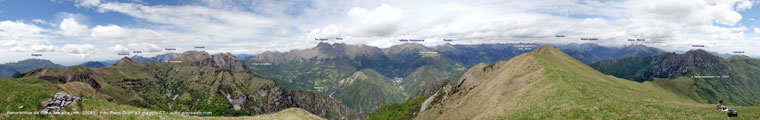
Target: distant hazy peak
[(408, 45), (328, 45), (30, 61), (34, 60), (738, 57), (406, 48)]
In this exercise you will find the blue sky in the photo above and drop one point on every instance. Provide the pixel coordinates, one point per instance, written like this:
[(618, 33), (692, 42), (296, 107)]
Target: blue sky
[(74, 31)]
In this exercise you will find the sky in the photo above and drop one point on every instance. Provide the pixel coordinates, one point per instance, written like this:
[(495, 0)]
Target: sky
[(71, 32)]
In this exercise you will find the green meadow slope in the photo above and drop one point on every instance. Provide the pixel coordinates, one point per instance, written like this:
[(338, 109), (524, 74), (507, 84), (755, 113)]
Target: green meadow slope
[(30, 92), (735, 80), (549, 84)]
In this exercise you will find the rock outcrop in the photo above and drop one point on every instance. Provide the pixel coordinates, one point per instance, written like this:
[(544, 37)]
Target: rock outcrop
[(225, 61), (273, 99), (433, 87), (59, 101), (222, 60)]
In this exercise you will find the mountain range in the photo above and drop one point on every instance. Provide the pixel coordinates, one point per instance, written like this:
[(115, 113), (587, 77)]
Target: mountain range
[(158, 58), (549, 84), (94, 64), (409, 67), (408, 81), (199, 82), (14, 69), (708, 77)]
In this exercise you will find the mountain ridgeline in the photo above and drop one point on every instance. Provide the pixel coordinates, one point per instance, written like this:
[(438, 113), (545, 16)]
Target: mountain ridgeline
[(158, 58), (708, 77), (15, 69), (549, 84), (410, 67), (400, 70), (200, 82), (94, 64)]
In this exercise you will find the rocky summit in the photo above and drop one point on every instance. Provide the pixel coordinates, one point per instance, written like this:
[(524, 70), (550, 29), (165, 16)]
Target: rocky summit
[(59, 102), (221, 60)]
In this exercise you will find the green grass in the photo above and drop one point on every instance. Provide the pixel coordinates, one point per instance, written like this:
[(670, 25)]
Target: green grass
[(402, 111), (23, 92), (682, 86), (583, 93)]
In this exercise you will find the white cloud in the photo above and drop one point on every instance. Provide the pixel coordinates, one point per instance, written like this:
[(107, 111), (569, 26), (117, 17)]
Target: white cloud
[(197, 22), (110, 33), (18, 29), (149, 35), (744, 5), (145, 47), (40, 21), (87, 3), (251, 26), (81, 51), (679, 21), (19, 37), (119, 49), (697, 13), (43, 48), (382, 21), (71, 27), (18, 49), (757, 30)]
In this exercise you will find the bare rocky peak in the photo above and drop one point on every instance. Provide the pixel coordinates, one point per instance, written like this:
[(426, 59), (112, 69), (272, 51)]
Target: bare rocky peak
[(221, 60), (193, 56), (226, 61), (671, 65)]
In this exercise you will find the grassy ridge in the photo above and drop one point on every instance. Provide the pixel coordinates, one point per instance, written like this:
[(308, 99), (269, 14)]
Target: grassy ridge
[(583, 93), (548, 84)]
